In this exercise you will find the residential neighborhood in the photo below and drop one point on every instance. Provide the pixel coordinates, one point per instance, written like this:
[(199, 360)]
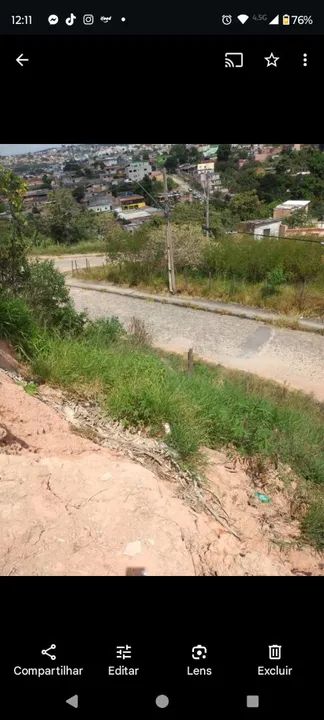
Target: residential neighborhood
[(129, 181)]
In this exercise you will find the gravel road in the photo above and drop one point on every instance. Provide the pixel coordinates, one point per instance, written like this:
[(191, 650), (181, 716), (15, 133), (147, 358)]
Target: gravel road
[(287, 356)]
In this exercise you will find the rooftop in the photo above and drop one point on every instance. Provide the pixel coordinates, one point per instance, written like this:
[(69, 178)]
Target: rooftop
[(257, 223), (292, 204), (137, 214), (99, 202), (131, 198)]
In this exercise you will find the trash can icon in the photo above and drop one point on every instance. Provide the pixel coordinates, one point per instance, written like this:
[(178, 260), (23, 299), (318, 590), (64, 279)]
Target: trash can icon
[(275, 652)]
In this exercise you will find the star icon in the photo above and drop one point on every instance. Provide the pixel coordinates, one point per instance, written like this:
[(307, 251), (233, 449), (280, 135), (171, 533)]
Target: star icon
[(272, 60)]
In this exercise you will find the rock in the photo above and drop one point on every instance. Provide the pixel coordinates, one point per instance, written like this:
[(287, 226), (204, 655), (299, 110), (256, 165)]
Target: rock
[(7, 359), (133, 548), (3, 433)]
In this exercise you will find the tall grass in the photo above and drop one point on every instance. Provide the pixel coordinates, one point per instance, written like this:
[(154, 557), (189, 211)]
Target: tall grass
[(212, 407), (84, 247), (17, 324)]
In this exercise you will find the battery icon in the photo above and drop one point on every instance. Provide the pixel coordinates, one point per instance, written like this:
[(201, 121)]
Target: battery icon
[(286, 19)]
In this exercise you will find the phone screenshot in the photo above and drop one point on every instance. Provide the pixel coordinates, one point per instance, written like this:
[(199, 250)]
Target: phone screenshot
[(161, 360)]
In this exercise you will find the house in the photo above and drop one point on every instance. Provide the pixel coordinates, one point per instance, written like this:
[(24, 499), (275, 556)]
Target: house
[(286, 209), (176, 196), (265, 152), (262, 228), (100, 204), (211, 152), (297, 148), (133, 218), (208, 166), (35, 197), (136, 171), (188, 168), (34, 183), (131, 202)]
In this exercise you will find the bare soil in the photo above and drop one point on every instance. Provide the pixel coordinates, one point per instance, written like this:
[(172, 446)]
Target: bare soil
[(81, 496)]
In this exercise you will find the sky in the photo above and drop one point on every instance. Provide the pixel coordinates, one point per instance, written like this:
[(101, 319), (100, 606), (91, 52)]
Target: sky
[(21, 149)]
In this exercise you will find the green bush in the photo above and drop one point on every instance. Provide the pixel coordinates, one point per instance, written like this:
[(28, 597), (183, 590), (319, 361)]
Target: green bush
[(103, 332), (274, 279), (17, 323), (13, 261), (46, 293)]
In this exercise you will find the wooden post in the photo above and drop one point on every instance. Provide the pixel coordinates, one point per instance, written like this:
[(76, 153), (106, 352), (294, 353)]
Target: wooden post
[(169, 243), (72, 266), (209, 280), (190, 361)]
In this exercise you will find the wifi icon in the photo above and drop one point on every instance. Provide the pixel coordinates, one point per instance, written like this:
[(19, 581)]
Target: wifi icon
[(243, 18)]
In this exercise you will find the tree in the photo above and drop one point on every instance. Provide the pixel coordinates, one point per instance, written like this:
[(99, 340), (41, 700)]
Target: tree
[(318, 209), (78, 193), (272, 186), (246, 206), (47, 183), (67, 222), (180, 152), (297, 219), (224, 152), (88, 172), (72, 166), (179, 155), (13, 241), (171, 163)]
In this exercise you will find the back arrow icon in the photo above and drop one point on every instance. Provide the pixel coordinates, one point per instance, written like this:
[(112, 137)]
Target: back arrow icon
[(20, 60)]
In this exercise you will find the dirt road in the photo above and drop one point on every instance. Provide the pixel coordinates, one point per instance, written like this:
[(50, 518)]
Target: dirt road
[(286, 356), (64, 262)]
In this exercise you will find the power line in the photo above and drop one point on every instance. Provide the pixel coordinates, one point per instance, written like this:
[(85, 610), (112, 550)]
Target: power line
[(276, 237)]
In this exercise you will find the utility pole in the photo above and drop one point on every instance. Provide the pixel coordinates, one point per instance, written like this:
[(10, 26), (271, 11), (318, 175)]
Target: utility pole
[(207, 193), (169, 243)]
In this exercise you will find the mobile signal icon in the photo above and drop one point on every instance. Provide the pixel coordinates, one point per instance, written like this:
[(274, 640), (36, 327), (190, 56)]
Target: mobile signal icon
[(275, 21)]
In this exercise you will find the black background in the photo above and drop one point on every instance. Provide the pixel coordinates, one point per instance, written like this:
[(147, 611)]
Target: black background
[(169, 17), (162, 618), (160, 89), (142, 89)]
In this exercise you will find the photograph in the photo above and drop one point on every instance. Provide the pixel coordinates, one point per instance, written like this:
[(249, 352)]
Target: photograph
[(162, 359)]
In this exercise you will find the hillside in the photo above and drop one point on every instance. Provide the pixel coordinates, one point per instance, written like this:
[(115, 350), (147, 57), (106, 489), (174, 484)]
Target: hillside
[(71, 505)]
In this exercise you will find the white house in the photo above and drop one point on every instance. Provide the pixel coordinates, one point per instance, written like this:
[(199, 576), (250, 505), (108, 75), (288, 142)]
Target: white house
[(99, 205), (262, 228), (136, 171)]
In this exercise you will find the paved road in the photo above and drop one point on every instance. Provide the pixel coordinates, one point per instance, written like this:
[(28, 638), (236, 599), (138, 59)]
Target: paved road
[(290, 356)]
